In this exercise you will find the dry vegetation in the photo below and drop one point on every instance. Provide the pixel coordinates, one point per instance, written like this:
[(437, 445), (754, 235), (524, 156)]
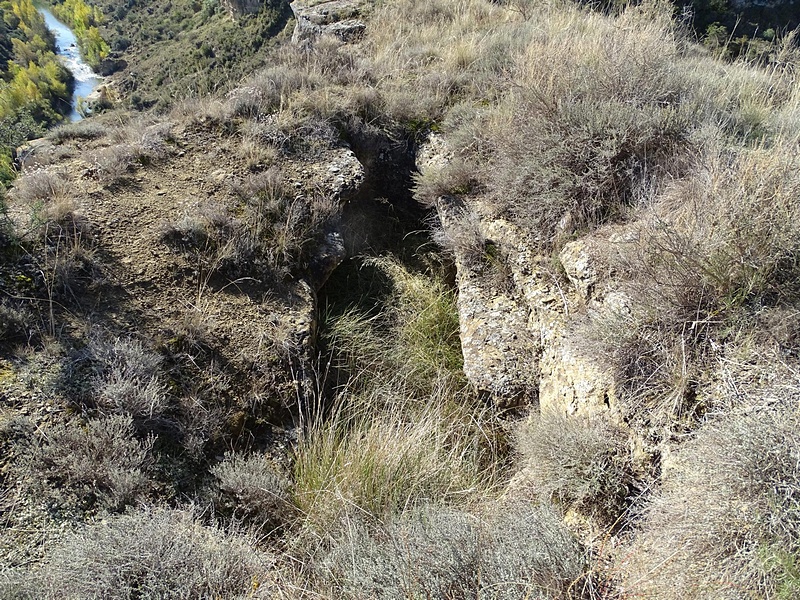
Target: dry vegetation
[(564, 120)]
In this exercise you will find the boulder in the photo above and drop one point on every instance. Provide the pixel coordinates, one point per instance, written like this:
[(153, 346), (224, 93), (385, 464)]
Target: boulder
[(338, 18)]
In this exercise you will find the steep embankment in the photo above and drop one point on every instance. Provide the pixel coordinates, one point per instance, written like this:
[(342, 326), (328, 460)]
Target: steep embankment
[(35, 87)]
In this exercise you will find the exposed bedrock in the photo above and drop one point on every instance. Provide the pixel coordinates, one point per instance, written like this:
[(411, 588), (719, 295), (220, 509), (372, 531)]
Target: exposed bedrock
[(339, 18), (514, 308)]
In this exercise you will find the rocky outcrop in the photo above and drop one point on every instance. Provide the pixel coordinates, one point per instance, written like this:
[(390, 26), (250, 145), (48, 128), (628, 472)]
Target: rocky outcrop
[(339, 18), (339, 176), (515, 306), (240, 8)]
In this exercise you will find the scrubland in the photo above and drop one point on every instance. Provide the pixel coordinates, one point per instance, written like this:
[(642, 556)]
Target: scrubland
[(395, 479)]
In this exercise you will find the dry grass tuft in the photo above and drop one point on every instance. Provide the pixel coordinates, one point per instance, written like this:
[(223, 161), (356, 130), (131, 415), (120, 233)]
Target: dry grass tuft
[(382, 461), (42, 187), (275, 232), (711, 251)]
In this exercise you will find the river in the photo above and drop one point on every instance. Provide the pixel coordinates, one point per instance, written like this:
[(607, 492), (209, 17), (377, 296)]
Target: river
[(86, 81)]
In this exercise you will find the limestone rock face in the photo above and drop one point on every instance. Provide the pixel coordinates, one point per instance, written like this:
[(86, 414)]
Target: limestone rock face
[(515, 307), (500, 355), (339, 18), (240, 8), (576, 259), (340, 177)]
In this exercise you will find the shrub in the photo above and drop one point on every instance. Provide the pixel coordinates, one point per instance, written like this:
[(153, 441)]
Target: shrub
[(127, 380), (570, 151), (266, 91), (99, 462), (58, 238), (151, 553), (137, 143), (42, 187), (85, 129), (710, 252), (260, 146), (208, 235), (726, 520), (15, 433), (252, 488), (16, 324), (112, 163), (522, 551), (279, 228), (578, 463)]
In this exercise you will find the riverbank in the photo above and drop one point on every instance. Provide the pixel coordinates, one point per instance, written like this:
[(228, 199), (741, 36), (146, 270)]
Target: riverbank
[(87, 81), (35, 85)]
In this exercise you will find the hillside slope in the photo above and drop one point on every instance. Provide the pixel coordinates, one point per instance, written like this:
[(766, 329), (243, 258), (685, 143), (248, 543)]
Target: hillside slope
[(451, 299)]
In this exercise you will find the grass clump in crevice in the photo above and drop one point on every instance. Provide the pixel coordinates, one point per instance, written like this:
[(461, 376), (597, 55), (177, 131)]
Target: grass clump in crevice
[(581, 464), (403, 427), (380, 462), (414, 335)]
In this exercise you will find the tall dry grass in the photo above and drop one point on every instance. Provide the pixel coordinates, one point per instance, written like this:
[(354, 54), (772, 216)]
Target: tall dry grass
[(403, 428), (708, 256), (380, 457)]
